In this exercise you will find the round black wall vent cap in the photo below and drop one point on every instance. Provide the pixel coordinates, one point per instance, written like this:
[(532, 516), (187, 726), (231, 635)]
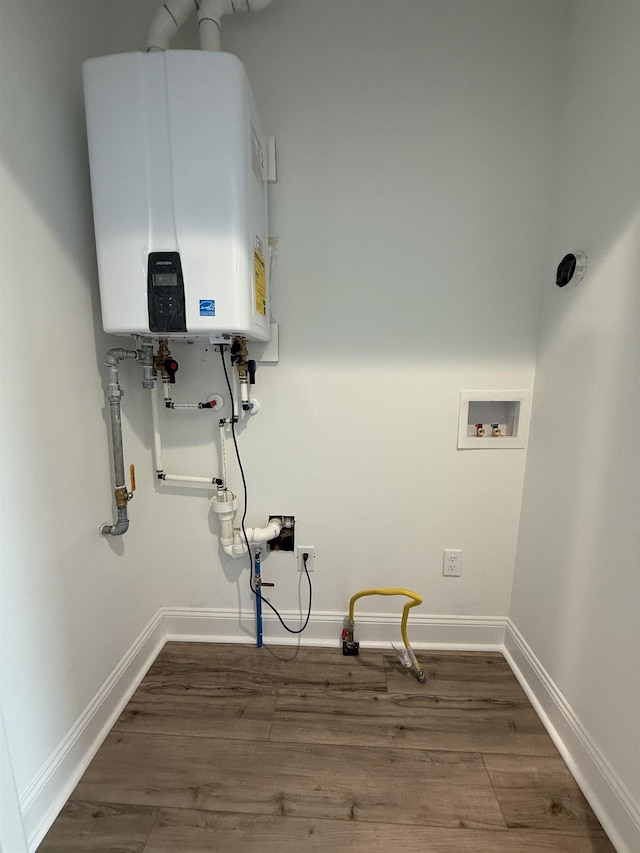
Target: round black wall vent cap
[(571, 270)]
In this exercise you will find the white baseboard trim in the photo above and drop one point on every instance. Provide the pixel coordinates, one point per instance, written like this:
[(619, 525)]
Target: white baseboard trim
[(372, 629), (41, 802), (612, 803)]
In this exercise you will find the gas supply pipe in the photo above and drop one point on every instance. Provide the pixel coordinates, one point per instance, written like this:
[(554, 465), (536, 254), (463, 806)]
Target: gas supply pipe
[(406, 655), (114, 395)]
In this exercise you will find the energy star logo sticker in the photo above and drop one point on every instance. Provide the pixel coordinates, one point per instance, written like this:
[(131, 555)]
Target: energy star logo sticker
[(207, 307)]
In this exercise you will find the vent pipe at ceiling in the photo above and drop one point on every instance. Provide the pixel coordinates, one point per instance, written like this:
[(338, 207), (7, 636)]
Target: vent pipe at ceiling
[(171, 16)]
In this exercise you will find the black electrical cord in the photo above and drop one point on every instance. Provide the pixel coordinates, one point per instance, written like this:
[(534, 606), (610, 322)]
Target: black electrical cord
[(244, 515)]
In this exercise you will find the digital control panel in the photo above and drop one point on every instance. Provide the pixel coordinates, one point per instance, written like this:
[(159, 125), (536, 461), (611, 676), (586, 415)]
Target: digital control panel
[(165, 291)]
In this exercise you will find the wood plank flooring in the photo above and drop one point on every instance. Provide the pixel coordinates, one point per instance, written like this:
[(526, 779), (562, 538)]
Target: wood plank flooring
[(234, 749)]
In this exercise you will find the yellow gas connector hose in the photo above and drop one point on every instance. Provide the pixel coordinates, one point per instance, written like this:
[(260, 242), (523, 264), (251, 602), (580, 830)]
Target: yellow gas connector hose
[(350, 647)]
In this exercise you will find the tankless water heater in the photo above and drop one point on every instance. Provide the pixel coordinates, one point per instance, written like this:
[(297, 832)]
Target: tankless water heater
[(177, 156)]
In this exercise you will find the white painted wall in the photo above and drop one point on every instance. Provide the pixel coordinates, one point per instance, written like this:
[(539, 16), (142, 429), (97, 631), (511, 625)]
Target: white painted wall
[(576, 594), (415, 149), (413, 143), (72, 602)]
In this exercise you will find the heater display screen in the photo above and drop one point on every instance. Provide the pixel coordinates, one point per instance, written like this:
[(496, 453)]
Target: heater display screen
[(165, 293), (165, 279)]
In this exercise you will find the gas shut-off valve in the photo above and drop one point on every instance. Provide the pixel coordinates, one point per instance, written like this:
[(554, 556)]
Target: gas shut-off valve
[(164, 363)]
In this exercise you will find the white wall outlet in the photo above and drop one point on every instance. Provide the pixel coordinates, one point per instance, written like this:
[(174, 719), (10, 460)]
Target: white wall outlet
[(452, 563), (311, 559)]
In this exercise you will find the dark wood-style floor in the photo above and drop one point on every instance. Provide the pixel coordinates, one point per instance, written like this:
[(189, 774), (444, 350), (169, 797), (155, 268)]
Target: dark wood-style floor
[(276, 750)]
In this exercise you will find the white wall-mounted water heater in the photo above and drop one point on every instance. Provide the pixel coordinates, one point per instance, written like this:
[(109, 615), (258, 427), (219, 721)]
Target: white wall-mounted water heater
[(178, 175)]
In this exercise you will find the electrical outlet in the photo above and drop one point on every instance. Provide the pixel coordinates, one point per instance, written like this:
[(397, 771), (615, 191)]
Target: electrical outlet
[(452, 563), (311, 559)]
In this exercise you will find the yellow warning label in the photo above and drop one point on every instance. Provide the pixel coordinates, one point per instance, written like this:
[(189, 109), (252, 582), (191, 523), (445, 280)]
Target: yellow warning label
[(261, 281)]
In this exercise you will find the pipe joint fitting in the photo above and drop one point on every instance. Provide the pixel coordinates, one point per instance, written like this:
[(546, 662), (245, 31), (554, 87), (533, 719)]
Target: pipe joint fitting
[(120, 527), (114, 393), (225, 507), (118, 354), (122, 495)]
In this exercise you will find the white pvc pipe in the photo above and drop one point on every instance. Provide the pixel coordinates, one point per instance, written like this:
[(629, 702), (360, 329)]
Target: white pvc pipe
[(244, 393), (209, 26), (223, 451), (234, 547), (173, 13), (183, 478), (157, 444), (237, 546), (232, 539), (224, 505), (185, 406), (157, 449), (167, 21), (264, 534), (236, 394)]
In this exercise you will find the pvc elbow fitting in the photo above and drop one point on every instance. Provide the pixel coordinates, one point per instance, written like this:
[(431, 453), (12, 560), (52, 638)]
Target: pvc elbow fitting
[(264, 534), (168, 20), (239, 546)]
